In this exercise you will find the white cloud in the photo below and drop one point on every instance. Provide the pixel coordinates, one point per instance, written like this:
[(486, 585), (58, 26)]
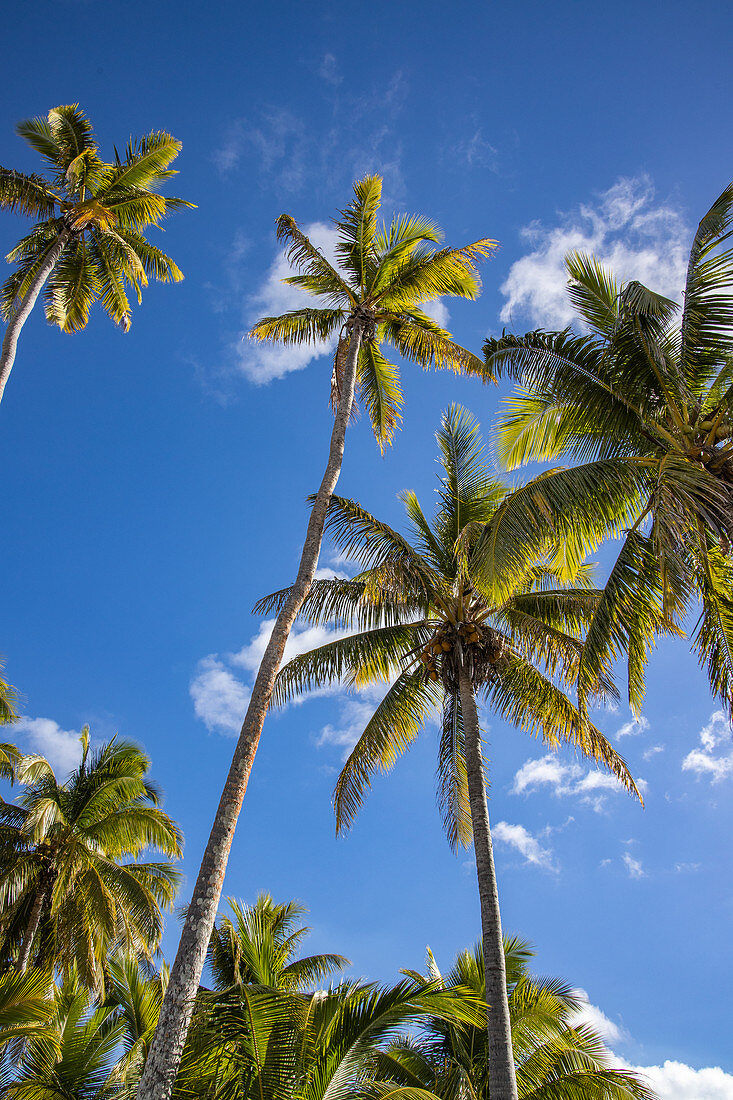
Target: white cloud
[(715, 757), (353, 718), (588, 784), (528, 846), (262, 362), (61, 748), (301, 640), (624, 229), (325, 573), (635, 726), (677, 1081), (219, 698), (592, 1016), (652, 751), (634, 866), (219, 692)]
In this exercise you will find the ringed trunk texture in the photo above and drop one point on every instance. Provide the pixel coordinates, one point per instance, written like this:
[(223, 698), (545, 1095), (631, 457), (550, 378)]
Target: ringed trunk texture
[(166, 1049), (502, 1074), (16, 322), (34, 921)]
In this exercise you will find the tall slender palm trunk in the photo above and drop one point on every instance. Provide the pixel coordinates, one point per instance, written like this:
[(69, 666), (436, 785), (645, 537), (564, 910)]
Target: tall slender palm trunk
[(42, 894), (502, 1074), (15, 324), (170, 1035)]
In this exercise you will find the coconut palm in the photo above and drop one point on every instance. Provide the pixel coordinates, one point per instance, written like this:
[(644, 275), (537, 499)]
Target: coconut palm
[(75, 1057), (258, 945), (422, 622), (69, 893), (88, 242), (26, 1005), (317, 1046), (557, 1056), (642, 398), (373, 294)]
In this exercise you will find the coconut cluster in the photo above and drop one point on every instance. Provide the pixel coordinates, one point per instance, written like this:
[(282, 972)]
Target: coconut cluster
[(477, 646)]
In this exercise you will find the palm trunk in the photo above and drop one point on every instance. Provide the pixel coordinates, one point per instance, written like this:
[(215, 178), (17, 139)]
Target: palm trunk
[(34, 921), (12, 332), (502, 1075), (170, 1035)]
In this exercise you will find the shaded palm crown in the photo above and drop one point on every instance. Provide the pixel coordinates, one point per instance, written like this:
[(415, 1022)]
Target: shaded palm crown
[(104, 207), (258, 944), (643, 398), (557, 1057), (419, 613), (380, 278), (68, 897)]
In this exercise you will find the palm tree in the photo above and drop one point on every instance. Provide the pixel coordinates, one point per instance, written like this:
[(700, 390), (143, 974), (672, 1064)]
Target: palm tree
[(316, 1046), (421, 614), (75, 1057), (557, 1058), (373, 293), (66, 896), (25, 1006), (88, 242), (258, 945), (643, 399)]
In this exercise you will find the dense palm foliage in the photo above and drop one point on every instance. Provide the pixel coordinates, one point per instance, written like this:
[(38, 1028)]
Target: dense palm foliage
[(643, 398), (557, 1056), (422, 1039), (373, 294), (258, 944), (420, 616), (88, 242), (72, 887)]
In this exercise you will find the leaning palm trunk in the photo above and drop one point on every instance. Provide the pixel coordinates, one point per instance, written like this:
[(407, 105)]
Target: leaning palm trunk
[(12, 332), (170, 1036), (34, 922), (502, 1076)]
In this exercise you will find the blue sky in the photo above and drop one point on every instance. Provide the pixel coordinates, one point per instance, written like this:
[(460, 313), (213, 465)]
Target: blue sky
[(154, 483)]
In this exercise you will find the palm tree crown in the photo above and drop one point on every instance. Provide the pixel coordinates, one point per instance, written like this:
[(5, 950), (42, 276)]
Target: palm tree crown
[(557, 1056), (380, 278), (88, 242), (644, 399), (67, 895), (105, 209), (419, 613), (258, 944)]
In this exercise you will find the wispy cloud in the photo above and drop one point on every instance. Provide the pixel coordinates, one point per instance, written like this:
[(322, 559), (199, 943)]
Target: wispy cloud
[(566, 780), (287, 152), (329, 71), (44, 736), (635, 726), (523, 842), (625, 227), (714, 758), (634, 866)]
